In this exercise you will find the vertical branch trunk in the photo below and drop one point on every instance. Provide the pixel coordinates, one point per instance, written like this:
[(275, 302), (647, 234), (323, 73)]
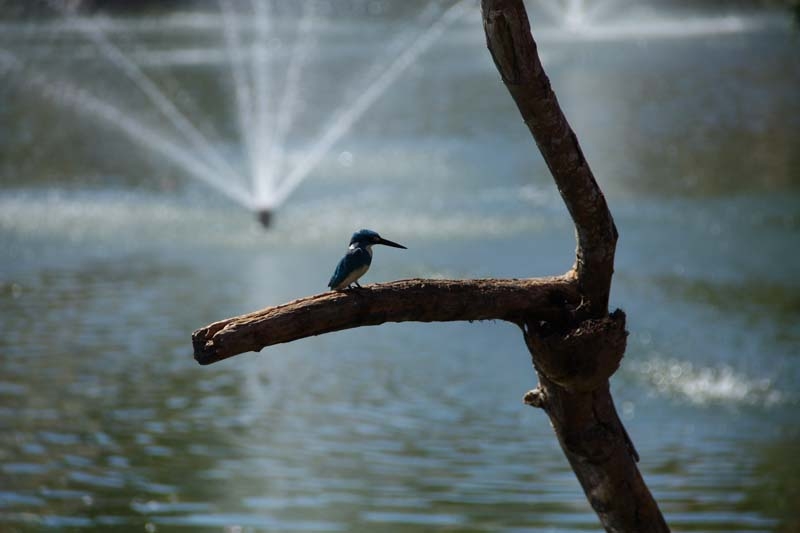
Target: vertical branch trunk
[(594, 442), (574, 360), (514, 52), (573, 365)]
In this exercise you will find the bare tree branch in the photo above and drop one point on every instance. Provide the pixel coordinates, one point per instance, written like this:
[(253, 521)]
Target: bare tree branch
[(513, 49), (575, 344), (420, 300), (575, 362)]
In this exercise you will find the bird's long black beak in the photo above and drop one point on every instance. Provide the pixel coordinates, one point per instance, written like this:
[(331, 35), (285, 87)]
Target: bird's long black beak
[(390, 243)]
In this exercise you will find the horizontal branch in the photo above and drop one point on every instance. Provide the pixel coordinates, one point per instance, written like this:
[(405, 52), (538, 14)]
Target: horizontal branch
[(418, 300)]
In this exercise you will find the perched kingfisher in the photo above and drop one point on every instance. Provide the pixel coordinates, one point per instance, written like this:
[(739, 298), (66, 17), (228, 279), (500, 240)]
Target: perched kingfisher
[(358, 258)]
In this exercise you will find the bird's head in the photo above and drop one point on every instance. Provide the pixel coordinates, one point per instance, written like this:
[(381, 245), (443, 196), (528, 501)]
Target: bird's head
[(366, 237)]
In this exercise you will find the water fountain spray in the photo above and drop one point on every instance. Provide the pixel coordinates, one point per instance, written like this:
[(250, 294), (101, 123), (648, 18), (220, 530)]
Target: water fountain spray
[(266, 110)]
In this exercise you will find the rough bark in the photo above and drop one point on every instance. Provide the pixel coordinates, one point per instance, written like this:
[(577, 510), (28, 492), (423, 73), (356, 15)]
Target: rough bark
[(573, 365), (420, 300), (513, 49), (575, 362), (575, 344)]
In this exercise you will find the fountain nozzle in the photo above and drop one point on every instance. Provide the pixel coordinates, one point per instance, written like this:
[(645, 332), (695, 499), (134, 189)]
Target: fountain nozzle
[(264, 217)]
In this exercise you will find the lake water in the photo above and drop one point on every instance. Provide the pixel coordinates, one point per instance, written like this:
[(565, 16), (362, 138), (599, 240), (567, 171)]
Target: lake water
[(110, 258)]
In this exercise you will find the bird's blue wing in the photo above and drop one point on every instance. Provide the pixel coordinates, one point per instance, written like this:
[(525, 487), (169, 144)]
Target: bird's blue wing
[(340, 272), (354, 259)]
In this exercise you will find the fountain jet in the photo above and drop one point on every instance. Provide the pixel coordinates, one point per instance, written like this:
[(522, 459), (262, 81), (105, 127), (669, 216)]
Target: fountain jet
[(265, 114)]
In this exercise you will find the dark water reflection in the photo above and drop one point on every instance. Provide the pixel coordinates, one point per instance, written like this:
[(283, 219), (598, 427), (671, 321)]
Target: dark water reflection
[(107, 424)]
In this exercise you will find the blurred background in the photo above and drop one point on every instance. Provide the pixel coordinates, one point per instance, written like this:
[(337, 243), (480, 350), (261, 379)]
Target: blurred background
[(140, 139)]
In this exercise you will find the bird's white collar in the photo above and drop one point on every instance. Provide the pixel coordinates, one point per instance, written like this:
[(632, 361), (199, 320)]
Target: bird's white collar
[(368, 247)]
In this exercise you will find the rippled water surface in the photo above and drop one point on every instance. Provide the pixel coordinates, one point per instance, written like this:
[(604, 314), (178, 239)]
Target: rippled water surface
[(110, 258)]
